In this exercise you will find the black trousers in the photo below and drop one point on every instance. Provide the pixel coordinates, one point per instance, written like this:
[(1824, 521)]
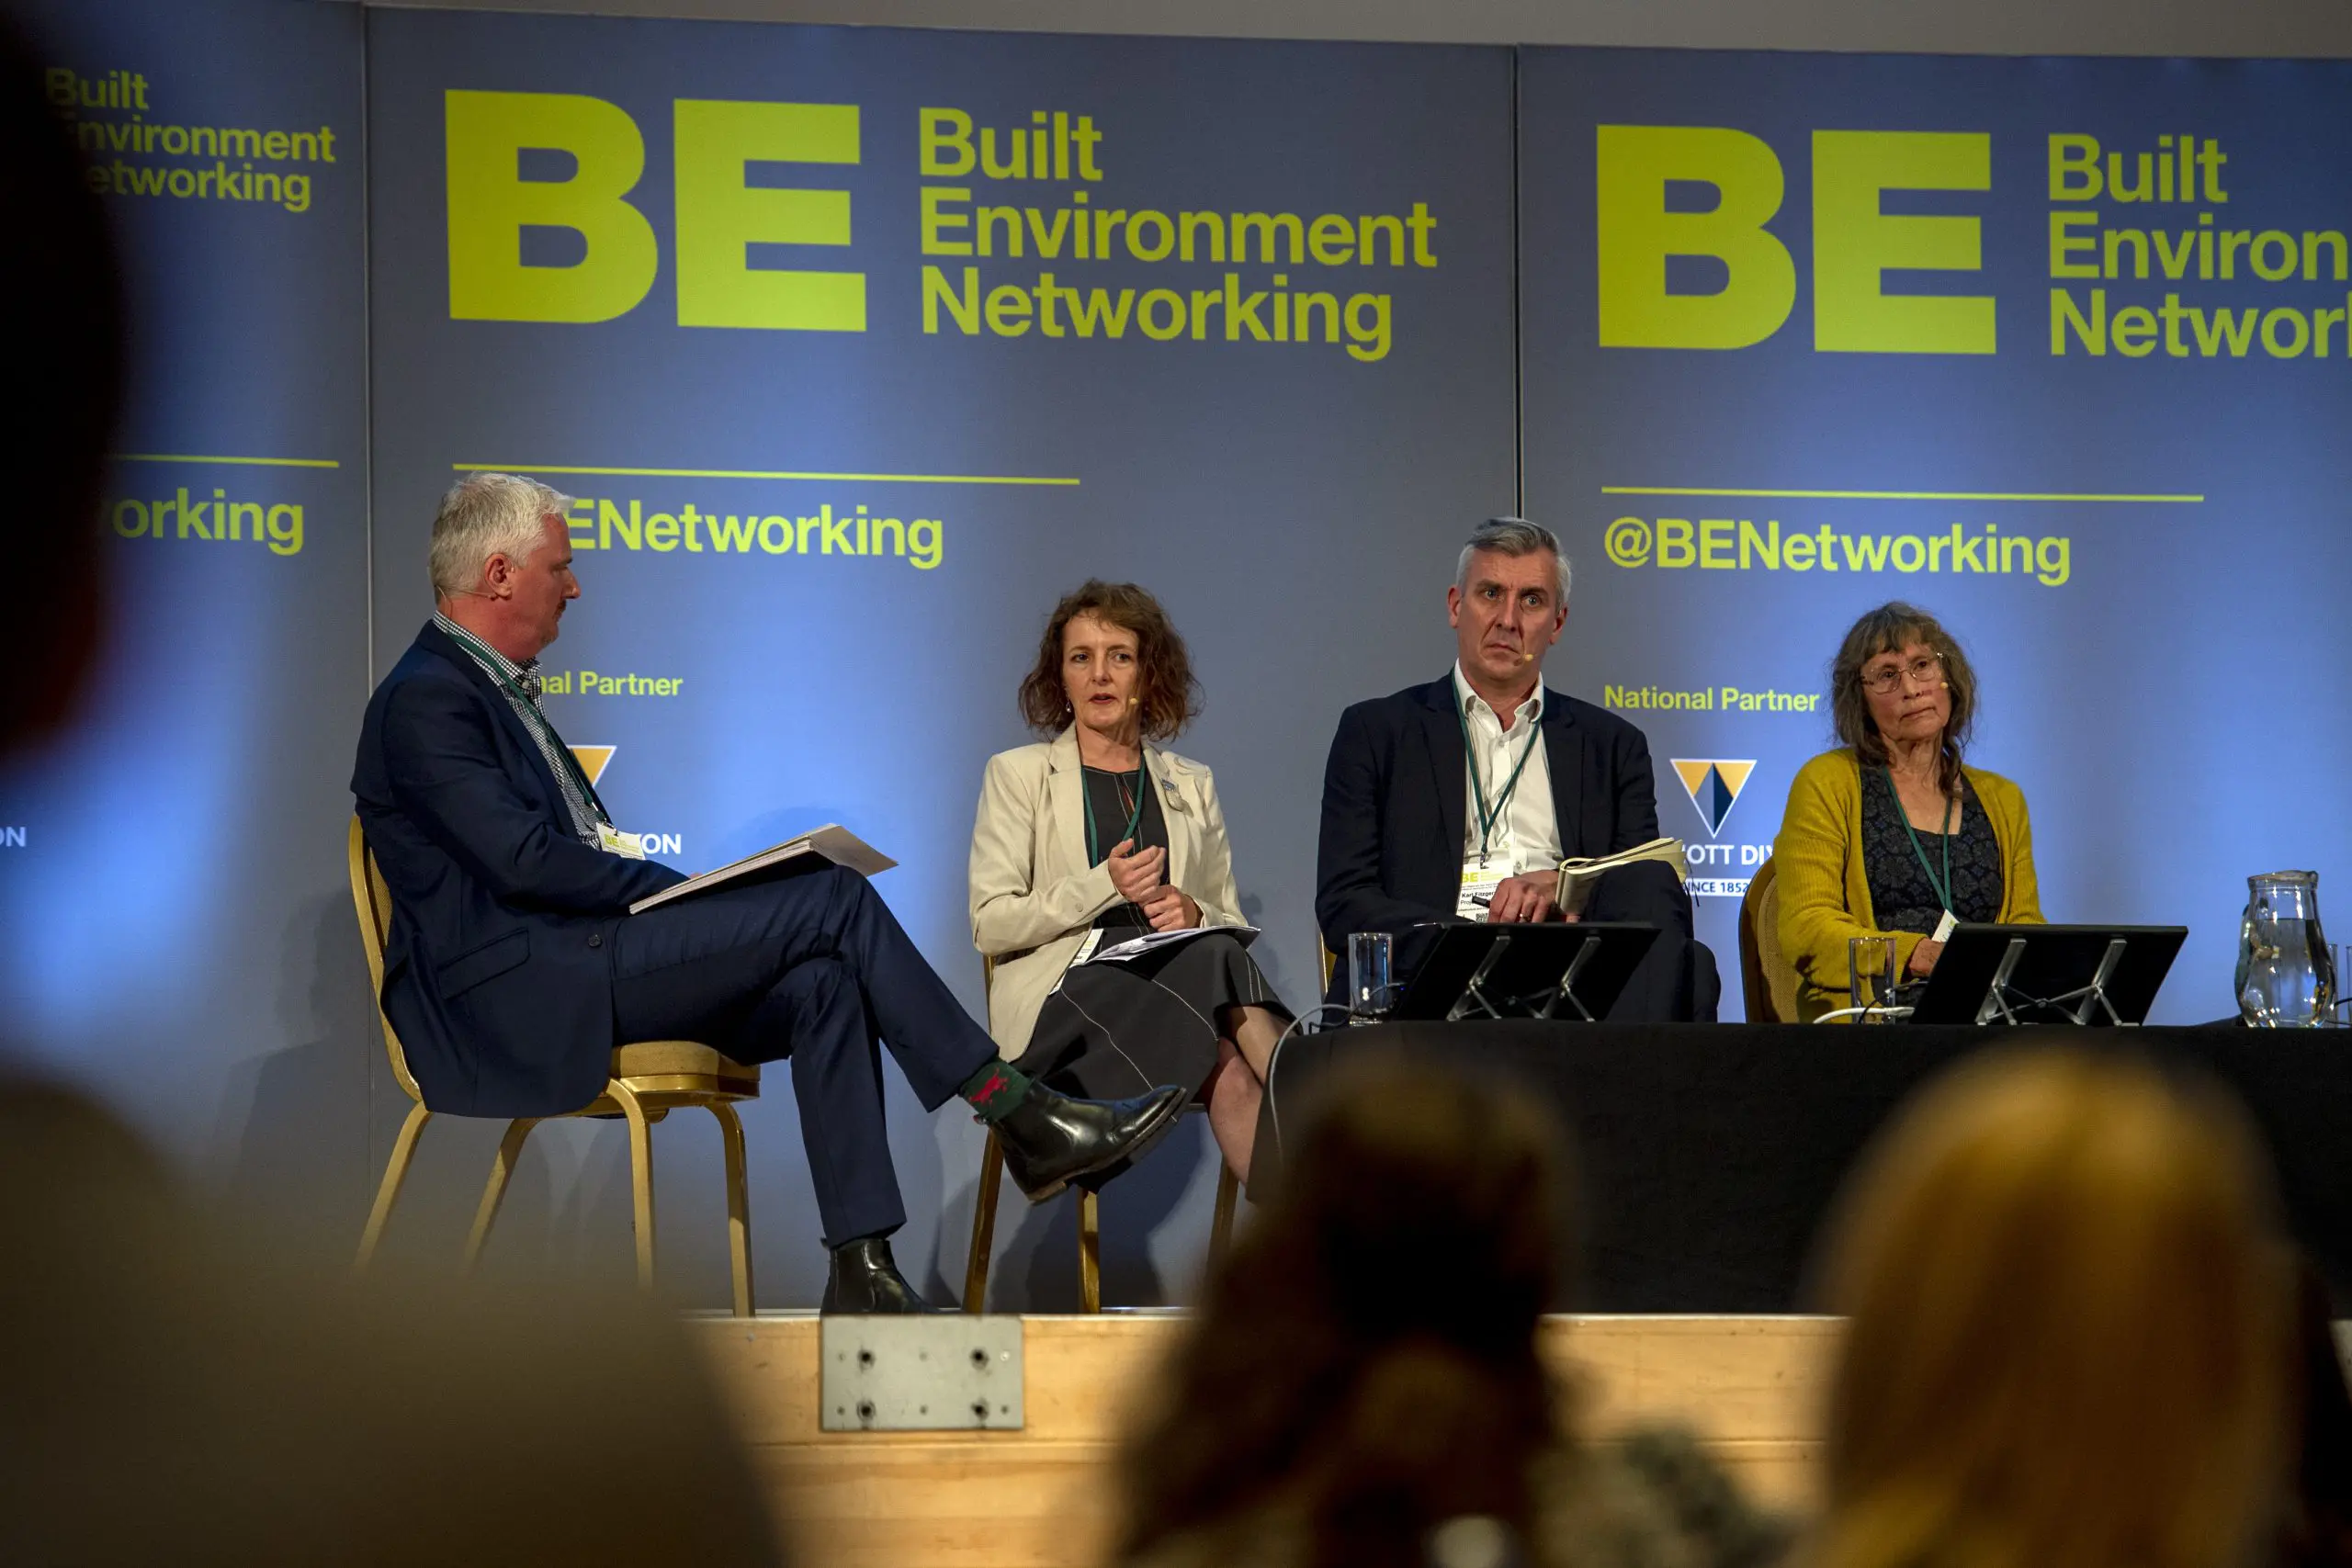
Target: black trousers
[(813, 967)]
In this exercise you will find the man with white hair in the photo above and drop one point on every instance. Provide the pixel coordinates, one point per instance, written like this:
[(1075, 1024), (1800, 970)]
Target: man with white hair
[(514, 968), (1457, 800)]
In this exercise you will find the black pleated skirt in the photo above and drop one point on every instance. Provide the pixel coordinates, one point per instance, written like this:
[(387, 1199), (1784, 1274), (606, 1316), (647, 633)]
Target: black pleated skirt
[(1116, 1029)]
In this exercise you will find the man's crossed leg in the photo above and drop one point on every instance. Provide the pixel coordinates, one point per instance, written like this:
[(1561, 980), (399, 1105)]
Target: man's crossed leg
[(815, 967)]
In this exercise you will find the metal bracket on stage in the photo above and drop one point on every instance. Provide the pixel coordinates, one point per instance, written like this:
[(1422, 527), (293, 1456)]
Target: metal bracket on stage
[(1565, 991), (1998, 1006), (2095, 994), (1539, 1004), (945, 1372), (1474, 990), (1995, 1003)]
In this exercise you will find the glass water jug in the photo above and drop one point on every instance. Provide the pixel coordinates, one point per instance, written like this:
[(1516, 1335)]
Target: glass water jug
[(2286, 976)]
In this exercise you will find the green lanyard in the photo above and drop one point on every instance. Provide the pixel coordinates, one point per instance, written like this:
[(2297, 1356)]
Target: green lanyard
[(1487, 819), (1094, 854), (1942, 890), (571, 763)]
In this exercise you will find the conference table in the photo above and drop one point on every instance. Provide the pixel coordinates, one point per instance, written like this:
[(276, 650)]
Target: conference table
[(1707, 1155)]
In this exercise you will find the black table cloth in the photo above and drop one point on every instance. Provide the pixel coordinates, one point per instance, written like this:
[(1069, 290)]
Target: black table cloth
[(1708, 1155)]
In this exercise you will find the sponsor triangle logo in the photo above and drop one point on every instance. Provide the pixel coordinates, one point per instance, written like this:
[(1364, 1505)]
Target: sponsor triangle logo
[(1713, 785), (593, 759)]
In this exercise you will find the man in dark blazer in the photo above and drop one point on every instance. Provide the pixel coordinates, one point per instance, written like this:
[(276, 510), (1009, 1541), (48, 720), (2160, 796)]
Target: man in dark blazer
[(514, 968), (1425, 817)]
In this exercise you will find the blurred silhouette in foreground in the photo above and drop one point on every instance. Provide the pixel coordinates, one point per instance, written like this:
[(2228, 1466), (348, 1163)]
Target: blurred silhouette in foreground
[(2069, 1310), (172, 1394), (1362, 1385), (61, 337), (174, 1397), (2317, 1530)]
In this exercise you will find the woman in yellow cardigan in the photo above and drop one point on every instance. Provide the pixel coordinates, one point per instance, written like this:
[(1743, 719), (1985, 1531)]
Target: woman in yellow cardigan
[(1891, 832)]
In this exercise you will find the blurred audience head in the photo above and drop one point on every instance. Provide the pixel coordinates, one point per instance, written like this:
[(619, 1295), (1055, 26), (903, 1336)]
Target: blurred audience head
[(1367, 1360), (181, 1394), (2317, 1529), (2068, 1312), (61, 335)]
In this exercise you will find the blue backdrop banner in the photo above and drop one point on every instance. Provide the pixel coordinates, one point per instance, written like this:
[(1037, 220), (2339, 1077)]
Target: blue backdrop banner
[(2056, 349), (860, 347), (171, 879)]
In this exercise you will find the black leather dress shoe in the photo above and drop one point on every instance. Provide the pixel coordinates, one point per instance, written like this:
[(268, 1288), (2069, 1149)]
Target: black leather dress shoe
[(865, 1282), (1051, 1140)]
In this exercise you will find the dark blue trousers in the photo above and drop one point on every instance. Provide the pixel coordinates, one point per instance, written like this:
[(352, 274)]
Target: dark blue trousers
[(814, 967)]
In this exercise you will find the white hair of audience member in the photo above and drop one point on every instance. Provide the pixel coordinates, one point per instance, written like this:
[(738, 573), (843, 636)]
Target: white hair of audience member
[(484, 516), (1512, 536)]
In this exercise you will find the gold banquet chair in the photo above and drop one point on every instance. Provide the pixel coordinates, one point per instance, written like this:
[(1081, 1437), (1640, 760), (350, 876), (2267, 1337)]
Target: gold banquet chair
[(1089, 1229), (1767, 981), (649, 1079)]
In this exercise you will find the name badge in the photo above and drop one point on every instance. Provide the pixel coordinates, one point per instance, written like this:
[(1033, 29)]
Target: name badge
[(1478, 885), (613, 841), (1945, 927), (1085, 951)]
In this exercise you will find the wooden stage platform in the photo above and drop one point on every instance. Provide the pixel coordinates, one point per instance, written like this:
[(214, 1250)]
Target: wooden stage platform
[(1037, 1498)]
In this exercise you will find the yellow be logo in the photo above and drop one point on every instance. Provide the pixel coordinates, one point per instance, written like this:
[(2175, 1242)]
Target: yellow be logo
[(719, 213), (1854, 243)]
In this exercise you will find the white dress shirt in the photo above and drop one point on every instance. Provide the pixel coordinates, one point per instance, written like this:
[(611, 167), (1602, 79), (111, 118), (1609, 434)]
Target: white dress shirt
[(1527, 837)]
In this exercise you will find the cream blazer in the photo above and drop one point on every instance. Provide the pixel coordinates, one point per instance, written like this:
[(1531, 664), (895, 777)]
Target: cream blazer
[(1032, 894)]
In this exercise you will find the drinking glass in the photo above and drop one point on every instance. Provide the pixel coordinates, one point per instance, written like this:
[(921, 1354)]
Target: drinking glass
[(1870, 964), (1370, 993)]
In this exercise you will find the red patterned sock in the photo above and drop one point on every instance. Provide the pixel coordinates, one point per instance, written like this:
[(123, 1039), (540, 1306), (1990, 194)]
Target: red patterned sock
[(996, 1091)]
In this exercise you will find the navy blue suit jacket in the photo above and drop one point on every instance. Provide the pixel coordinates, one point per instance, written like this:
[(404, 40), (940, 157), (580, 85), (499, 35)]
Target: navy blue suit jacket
[(497, 970), (1394, 804)]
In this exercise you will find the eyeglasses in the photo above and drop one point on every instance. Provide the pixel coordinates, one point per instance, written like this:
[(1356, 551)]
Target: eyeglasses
[(1924, 671)]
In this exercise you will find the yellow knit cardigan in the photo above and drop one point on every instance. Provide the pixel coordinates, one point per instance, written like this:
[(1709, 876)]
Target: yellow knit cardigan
[(1825, 894)]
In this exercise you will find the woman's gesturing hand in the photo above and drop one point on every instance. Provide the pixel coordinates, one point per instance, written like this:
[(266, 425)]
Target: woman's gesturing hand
[(1135, 872)]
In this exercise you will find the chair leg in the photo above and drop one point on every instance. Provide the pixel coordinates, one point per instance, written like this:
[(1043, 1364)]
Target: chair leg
[(494, 1193), (1089, 1252), (1228, 1189), (388, 1191), (640, 1175), (976, 1267), (739, 1205)]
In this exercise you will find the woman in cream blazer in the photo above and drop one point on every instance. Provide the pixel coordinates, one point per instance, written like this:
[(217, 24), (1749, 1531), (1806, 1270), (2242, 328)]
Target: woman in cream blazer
[(1096, 836)]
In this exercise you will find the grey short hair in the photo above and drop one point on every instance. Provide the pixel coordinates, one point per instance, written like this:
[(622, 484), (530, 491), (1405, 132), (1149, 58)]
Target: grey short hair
[(1512, 536), (488, 515)]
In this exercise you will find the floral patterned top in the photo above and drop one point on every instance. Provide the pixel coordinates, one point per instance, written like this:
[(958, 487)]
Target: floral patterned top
[(1902, 896)]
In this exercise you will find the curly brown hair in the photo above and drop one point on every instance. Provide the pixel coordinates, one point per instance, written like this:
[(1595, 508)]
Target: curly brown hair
[(1166, 694), (1891, 629)]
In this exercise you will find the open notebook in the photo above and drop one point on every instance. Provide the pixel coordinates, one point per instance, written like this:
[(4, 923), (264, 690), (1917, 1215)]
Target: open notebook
[(1579, 878), (833, 842)]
